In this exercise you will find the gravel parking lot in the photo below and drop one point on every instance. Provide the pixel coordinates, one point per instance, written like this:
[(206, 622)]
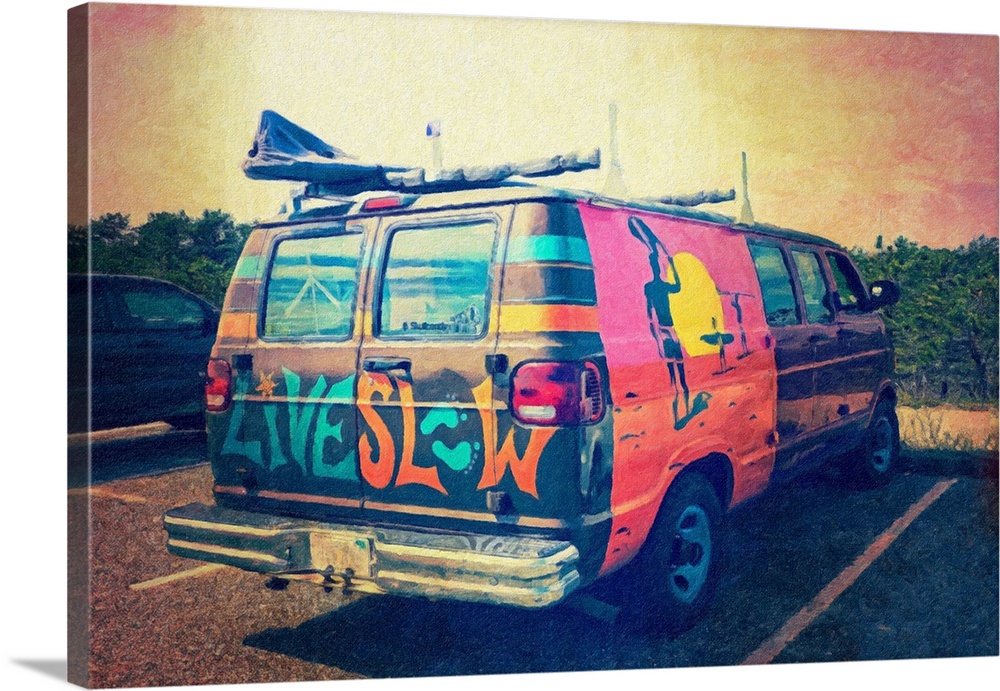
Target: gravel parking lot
[(920, 558)]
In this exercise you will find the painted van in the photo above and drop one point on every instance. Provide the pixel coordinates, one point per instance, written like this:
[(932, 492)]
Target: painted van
[(503, 394)]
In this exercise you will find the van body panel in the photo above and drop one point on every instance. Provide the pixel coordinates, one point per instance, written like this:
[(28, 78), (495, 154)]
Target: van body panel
[(688, 354), (864, 350)]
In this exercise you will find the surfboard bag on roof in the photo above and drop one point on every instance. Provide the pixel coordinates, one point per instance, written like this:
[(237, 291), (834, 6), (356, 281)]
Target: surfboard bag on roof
[(282, 150)]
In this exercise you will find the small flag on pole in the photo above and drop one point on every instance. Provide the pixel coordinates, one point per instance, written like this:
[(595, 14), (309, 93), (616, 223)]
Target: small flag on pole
[(434, 129)]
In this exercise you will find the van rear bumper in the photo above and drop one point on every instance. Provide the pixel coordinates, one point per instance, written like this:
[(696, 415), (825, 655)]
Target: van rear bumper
[(508, 570)]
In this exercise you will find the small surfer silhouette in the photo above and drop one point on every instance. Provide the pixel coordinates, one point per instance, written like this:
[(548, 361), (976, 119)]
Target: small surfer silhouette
[(721, 339), (661, 321)]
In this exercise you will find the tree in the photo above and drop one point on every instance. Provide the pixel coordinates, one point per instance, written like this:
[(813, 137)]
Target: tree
[(945, 325), (198, 254)]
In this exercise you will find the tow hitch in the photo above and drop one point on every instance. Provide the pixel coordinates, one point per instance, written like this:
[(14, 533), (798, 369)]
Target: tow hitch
[(276, 582)]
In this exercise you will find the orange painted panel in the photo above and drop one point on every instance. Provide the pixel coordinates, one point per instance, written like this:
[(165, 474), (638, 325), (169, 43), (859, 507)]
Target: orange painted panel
[(690, 365)]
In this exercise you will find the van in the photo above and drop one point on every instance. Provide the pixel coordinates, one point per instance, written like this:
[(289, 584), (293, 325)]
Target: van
[(504, 392)]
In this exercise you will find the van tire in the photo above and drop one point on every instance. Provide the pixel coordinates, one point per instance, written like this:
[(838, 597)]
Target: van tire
[(873, 463), (677, 571)]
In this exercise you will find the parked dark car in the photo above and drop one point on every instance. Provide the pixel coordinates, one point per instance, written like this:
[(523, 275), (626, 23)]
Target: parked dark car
[(148, 342)]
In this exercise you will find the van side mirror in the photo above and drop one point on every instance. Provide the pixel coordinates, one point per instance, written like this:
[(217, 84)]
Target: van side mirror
[(883, 294)]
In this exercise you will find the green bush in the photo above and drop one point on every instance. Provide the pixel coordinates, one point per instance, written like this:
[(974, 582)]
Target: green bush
[(945, 326)]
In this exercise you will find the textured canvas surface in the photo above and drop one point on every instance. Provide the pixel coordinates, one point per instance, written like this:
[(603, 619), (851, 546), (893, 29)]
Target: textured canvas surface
[(884, 144)]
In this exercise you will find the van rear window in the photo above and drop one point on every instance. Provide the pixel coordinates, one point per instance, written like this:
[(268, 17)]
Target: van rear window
[(437, 280), (311, 286)]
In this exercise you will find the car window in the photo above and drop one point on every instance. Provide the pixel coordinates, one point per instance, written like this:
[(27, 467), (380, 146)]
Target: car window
[(775, 278), (850, 293), (436, 280), (158, 308), (311, 286), (80, 323), (815, 292)]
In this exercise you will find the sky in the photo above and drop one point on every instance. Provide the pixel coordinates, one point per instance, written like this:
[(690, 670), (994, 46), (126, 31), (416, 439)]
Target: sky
[(848, 134)]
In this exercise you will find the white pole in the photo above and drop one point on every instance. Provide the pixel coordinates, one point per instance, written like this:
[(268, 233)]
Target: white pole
[(614, 185), (746, 213)]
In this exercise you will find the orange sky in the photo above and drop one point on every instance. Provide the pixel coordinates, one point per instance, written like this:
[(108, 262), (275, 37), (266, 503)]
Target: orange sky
[(848, 134)]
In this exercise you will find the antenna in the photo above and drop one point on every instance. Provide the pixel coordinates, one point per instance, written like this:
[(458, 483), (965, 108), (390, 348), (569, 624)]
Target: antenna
[(434, 134), (614, 185), (746, 213)]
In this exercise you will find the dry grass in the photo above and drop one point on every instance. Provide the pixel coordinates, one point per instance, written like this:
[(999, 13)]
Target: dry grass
[(948, 429)]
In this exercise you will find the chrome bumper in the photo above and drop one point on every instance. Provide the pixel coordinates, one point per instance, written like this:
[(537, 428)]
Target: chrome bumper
[(508, 570)]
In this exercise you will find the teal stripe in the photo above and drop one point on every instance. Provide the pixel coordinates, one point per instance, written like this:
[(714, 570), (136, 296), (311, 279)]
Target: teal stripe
[(548, 248), (248, 267)]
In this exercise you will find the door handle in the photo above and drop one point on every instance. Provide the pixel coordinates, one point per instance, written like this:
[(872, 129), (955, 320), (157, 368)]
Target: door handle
[(385, 364), (816, 338)]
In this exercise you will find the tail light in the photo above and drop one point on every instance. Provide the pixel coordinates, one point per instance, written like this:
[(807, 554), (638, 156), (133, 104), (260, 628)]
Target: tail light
[(556, 393), (218, 385)]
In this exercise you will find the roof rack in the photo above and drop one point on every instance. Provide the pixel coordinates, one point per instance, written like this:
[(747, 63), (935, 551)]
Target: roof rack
[(696, 199), (284, 151), (417, 180)]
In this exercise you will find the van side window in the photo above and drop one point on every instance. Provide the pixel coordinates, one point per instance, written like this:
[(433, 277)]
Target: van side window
[(815, 292), (850, 290), (310, 287), (776, 285), (437, 280)]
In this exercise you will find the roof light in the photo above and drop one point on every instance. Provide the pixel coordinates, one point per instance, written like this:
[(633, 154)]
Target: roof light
[(378, 203)]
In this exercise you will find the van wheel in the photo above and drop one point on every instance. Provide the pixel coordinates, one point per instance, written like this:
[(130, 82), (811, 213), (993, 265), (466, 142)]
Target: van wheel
[(875, 460), (680, 564)]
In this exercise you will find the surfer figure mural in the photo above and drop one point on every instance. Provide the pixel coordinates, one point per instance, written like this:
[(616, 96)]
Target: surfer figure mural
[(661, 322)]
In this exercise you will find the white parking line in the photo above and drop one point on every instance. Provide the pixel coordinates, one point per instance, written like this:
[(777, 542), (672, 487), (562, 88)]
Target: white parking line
[(180, 575), (773, 646), (149, 430), (107, 494)]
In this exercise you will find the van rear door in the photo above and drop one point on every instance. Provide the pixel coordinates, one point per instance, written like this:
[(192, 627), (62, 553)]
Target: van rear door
[(425, 394), (292, 433)]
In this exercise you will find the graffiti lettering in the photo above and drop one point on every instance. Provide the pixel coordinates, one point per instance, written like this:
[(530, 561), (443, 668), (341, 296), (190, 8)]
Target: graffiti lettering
[(344, 468), (376, 446), (300, 416), (458, 457), (232, 445), (523, 468), (378, 472), (409, 473)]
